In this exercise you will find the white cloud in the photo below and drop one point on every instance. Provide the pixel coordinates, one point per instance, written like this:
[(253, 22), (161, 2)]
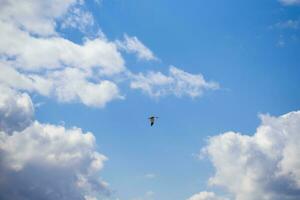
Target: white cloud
[(206, 196), (27, 59), (133, 45), (178, 83), (16, 110), (32, 53), (73, 84), (43, 161), (79, 19), (35, 16), (68, 85), (51, 65), (290, 2), (264, 166), (49, 162), (30, 82), (36, 58)]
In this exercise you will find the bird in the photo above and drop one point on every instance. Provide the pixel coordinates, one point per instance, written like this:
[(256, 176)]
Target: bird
[(152, 120)]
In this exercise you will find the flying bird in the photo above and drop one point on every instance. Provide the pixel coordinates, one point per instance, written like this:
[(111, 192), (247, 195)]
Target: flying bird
[(152, 120)]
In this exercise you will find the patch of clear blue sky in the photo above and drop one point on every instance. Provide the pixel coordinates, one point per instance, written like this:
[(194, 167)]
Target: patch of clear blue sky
[(227, 41)]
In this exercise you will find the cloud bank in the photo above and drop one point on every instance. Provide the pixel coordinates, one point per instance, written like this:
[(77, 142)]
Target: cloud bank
[(35, 57)]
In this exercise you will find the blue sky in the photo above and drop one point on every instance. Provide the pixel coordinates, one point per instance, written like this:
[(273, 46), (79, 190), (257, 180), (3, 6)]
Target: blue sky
[(250, 49)]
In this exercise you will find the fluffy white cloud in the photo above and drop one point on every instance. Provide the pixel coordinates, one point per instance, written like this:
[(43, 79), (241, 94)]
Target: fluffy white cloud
[(290, 2), (263, 166), (73, 84), (30, 82), (43, 161), (16, 110), (32, 53), (36, 58), (178, 82), (133, 45), (42, 62), (49, 162), (68, 85), (35, 16), (18, 20), (206, 196)]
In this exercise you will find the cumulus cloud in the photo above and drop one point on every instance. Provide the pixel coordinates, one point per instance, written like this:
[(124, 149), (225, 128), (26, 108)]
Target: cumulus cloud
[(290, 2), (49, 162), (67, 85), (34, 57), (263, 166), (32, 53), (30, 82), (133, 45), (44, 161), (178, 83), (206, 196), (72, 84), (16, 110), (35, 16), (34, 61)]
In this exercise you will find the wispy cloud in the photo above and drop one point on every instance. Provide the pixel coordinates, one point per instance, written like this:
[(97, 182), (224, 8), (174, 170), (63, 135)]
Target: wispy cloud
[(289, 24), (134, 45), (290, 2), (150, 176), (177, 82), (281, 42), (78, 19)]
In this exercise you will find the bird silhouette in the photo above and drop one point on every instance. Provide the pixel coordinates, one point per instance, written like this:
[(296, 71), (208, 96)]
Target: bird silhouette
[(152, 120)]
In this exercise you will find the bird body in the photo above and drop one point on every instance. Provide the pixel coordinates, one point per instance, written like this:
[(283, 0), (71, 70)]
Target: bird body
[(152, 120)]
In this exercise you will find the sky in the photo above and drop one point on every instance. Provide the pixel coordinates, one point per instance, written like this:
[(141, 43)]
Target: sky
[(79, 79)]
